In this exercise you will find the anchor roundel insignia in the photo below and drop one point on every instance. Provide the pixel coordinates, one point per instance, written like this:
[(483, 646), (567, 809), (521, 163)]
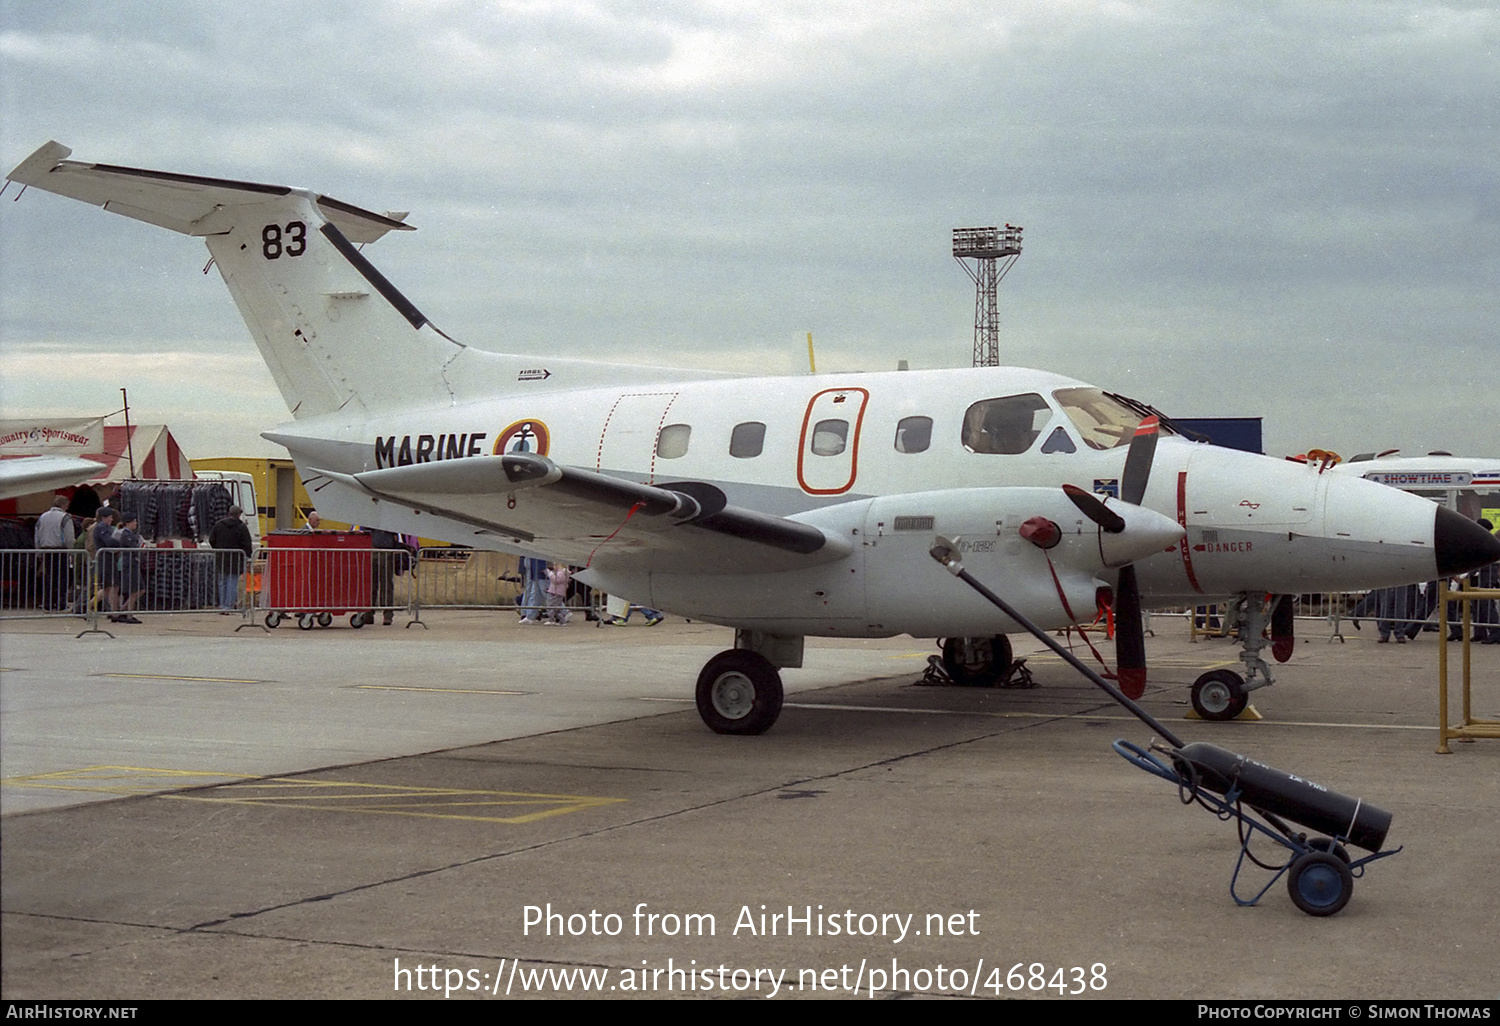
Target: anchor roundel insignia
[(524, 436)]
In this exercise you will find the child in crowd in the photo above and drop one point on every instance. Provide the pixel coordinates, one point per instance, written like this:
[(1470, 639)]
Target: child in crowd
[(558, 577)]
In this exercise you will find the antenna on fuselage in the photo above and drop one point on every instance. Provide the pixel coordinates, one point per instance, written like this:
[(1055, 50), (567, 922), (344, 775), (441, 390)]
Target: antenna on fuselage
[(993, 251)]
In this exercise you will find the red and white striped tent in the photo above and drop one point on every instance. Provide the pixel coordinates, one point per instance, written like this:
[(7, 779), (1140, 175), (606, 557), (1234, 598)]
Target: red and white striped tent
[(157, 455)]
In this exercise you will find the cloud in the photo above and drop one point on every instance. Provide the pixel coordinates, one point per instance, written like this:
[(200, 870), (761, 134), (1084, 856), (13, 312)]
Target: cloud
[(1204, 187)]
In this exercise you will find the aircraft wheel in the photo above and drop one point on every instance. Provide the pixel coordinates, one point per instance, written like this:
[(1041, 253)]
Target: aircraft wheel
[(273, 619), (739, 692), (305, 621), (1220, 695), (977, 662), (325, 619), (1328, 844), (1319, 883)]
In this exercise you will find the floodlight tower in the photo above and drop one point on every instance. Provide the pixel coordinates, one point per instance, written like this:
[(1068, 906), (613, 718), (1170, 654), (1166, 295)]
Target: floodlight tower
[(993, 251)]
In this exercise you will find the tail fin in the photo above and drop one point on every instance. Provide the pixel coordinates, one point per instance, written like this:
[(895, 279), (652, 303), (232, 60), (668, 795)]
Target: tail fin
[(333, 331)]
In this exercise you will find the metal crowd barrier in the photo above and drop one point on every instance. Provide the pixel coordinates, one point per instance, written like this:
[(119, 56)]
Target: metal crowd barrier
[(43, 582), (1332, 608), (279, 584), (119, 585), (449, 578), (313, 586), (1479, 611)]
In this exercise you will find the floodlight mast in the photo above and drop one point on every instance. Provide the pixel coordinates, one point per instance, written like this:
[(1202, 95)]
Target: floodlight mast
[(993, 251)]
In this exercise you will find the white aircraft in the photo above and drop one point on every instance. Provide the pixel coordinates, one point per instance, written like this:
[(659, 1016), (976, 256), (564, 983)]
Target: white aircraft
[(23, 475), (1468, 484), (781, 507)]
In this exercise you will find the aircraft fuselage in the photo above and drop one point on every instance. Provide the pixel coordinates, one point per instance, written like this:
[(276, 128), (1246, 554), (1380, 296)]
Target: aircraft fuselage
[(866, 452)]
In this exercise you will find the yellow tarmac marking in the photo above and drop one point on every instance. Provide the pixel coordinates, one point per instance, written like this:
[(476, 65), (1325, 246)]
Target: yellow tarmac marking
[(512, 807), (166, 676), (398, 800), (121, 780), (442, 691)]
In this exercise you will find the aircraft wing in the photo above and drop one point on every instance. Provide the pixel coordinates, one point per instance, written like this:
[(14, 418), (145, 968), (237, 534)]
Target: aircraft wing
[(24, 475), (586, 518)]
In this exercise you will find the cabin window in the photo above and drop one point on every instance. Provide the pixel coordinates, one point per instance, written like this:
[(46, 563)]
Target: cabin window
[(1058, 441), (673, 441), (914, 434), (1102, 422), (747, 440), (830, 437), (1008, 425)]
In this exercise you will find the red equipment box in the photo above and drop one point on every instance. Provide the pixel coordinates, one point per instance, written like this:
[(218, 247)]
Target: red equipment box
[(316, 575)]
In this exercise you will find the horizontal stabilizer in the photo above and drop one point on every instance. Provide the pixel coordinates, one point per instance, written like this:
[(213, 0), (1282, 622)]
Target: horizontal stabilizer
[(189, 204)]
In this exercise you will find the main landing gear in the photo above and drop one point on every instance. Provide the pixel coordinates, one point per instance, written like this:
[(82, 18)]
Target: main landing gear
[(1224, 694), (739, 690), (977, 662)]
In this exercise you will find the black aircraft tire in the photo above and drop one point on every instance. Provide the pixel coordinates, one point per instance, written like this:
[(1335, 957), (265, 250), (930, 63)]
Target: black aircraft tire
[(990, 663), (1320, 883), (739, 692), (1220, 695)]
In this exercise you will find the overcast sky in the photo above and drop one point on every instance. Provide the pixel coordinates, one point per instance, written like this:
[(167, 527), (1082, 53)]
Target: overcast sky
[(1281, 210)]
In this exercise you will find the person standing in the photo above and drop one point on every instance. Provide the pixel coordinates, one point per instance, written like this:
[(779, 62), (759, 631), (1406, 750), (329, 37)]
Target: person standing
[(558, 577), (131, 580), (533, 589), (53, 538), (390, 556), (230, 539), (106, 564)]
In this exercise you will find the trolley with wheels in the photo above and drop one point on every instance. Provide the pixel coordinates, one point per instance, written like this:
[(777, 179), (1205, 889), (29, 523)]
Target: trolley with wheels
[(314, 576), (1319, 870)]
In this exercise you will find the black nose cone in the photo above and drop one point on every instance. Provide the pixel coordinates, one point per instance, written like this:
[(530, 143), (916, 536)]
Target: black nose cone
[(1461, 545)]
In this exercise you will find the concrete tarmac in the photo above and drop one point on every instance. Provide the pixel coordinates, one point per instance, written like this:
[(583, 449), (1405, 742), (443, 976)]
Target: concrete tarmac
[(482, 810)]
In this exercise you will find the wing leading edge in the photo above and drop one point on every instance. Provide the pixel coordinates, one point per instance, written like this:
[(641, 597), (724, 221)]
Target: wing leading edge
[(586, 518)]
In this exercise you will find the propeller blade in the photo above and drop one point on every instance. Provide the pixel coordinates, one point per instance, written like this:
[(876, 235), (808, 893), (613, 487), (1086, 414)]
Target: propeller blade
[(1138, 461), (1130, 636), (1283, 638), (1130, 628), (1089, 505)]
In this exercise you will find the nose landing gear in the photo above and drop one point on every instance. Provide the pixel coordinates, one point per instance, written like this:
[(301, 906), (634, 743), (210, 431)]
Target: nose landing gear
[(1224, 694)]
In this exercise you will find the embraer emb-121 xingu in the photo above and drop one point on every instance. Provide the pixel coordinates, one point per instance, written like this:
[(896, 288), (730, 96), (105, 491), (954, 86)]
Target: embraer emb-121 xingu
[(781, 507)]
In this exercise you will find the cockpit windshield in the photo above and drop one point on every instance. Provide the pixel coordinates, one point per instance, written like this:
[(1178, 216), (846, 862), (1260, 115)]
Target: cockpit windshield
[(1102, 422)]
